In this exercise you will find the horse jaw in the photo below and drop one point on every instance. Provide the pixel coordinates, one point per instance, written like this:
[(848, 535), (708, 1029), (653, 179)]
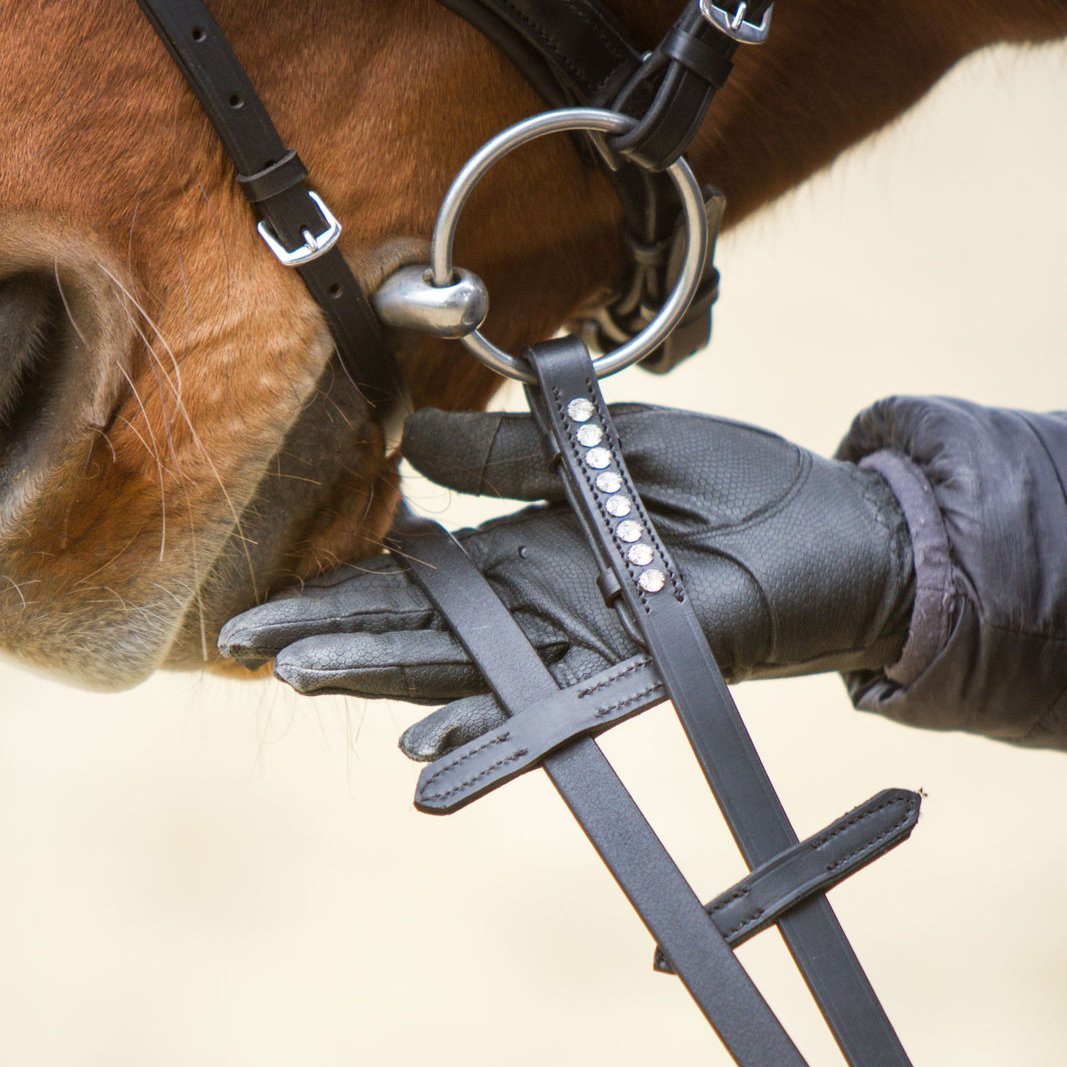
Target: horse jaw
[(140, 503)]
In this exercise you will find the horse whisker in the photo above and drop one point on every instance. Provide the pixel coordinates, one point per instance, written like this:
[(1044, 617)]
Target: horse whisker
[(66, 305), (159, 464)]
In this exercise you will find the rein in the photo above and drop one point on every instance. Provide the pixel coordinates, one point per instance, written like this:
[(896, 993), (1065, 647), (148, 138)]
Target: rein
[(635, 113)]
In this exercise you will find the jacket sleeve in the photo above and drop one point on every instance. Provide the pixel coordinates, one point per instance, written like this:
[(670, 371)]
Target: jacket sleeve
[(984, 493)]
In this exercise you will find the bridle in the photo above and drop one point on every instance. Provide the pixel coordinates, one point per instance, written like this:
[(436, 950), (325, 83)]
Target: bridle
[(572, 53), (635, 112)]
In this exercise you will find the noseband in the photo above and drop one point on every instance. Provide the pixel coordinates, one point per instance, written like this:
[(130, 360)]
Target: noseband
[(634, 112)]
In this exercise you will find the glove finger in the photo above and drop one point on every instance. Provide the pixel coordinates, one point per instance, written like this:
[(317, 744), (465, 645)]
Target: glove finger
[(483, 453), (489, 453), (351, 599), (464, 720), (423, 666), (451, 726)]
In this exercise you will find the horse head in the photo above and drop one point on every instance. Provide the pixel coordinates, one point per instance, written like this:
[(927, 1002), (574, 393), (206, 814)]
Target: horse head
[(176, 436)]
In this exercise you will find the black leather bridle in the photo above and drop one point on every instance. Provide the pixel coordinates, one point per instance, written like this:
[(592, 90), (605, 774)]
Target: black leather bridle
[(575, 52)]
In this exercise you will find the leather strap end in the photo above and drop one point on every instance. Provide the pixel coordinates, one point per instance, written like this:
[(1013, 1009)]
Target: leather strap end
[(523, 742), (812, 866)]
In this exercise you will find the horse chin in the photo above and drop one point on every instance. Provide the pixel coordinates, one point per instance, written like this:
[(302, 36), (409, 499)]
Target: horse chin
[(146, 496), (325, 498)]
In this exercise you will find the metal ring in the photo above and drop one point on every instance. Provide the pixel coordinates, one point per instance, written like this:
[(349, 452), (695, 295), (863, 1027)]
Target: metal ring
[(563, 121)]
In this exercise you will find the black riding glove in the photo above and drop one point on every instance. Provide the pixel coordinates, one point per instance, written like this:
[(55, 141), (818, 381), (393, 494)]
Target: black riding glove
[(794, 564)]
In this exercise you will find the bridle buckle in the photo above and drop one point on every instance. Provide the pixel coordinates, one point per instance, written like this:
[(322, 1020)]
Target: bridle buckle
[(315, 245), (734, 25)]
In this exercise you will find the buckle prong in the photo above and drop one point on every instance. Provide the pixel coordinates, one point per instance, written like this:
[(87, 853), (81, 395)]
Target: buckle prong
[(734, 24), (315, 245)]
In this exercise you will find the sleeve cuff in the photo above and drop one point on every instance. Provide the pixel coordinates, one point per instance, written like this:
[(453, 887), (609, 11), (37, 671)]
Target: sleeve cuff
[(931, 617)]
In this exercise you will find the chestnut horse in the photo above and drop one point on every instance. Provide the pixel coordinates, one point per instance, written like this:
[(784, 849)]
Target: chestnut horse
[(176, 438)]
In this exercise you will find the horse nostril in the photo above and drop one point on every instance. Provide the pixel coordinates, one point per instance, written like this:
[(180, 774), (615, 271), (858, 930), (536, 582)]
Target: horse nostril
[(34, 353)]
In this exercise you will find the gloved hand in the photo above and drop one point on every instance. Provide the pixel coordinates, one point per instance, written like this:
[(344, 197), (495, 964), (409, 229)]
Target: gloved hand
[(794, 564)]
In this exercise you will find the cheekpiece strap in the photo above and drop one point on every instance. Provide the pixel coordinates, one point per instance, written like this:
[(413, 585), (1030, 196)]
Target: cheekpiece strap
[(295, 222)]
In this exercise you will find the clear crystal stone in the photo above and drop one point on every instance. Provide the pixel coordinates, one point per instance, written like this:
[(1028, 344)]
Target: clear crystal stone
[(590, 435), (598, 458), (629, 531), (640, 555), (580, 409), (617, 506), (608, 482), (652, 580)]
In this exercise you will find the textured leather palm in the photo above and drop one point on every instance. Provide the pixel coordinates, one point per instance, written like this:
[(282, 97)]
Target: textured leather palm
[(793, 562)]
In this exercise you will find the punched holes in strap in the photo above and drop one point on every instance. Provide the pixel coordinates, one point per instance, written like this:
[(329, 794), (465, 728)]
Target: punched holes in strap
[(295, 223)]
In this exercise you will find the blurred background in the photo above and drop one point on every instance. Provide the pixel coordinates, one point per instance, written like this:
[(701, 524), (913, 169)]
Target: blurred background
[(212, 872)]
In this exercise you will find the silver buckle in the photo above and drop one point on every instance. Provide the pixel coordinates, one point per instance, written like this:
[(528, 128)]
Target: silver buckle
[(314, 245), (734, 25)]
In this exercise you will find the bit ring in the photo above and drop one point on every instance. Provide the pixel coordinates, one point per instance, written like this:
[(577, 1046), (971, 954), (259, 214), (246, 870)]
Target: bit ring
[(565, 121)]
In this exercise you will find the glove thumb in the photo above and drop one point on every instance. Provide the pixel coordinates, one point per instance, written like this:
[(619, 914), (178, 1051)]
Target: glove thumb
[(451, 726)]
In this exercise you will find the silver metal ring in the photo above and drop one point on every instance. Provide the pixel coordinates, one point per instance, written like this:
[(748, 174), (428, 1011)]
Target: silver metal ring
[(564, 121)]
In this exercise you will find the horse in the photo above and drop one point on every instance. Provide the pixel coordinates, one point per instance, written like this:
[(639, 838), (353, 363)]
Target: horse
[(177, 440)]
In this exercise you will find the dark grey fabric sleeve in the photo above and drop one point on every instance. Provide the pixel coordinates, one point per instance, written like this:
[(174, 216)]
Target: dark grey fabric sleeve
[(984, 493)]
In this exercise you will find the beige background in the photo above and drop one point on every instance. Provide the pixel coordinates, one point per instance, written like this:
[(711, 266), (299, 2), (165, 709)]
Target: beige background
[(205, 872)]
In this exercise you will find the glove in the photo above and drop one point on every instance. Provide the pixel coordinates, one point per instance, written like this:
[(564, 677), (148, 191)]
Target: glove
[(794, 564)]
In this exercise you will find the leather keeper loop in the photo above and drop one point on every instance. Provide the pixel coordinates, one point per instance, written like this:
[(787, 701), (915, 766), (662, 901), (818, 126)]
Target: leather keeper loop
[(276, 179), (703, 60)]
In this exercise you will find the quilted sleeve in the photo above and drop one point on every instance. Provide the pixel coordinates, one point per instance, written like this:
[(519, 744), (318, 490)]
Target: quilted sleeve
[(984, 493)]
